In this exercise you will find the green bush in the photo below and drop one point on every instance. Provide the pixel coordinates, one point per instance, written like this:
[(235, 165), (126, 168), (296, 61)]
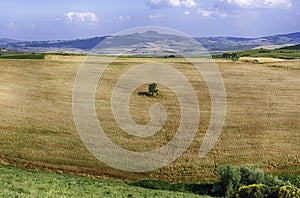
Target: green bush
[(249, 178), (251, 175), (229, 183), (289, 192), (293, 179), (274, 181), (234, 181)]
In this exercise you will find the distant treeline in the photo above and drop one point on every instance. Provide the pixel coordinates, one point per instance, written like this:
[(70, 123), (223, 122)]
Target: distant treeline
[(35, 55), (289, 52)]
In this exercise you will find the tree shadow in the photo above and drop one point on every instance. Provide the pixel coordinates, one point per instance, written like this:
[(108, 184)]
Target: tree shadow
[(143, 93)]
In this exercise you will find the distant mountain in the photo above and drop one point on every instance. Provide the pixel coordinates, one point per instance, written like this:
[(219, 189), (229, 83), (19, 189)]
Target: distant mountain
[(6, 41), (152, 42), (236, 44), (84, 44)]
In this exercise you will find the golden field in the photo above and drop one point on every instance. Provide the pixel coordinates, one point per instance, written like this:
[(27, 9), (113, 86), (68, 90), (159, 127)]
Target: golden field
[(262, 125)]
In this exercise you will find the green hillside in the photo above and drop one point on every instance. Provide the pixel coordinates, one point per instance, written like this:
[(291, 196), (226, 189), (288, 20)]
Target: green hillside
[(17, 182), (293, 47)]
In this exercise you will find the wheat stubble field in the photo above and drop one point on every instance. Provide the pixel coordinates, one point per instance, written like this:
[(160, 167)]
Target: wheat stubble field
[(262, 124)]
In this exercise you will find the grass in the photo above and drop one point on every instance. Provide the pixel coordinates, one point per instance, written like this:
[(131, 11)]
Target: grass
[(23, 56), (17, 182), (57, 55), (262, 123), (196, 188)]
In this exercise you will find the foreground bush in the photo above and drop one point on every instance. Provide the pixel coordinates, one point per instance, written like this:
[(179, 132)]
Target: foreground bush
[(293, 179), (249, 181), (237, 182), (252, 191), (289, 192), (251, 175), (274, 181), (261, 191), (230, 178)]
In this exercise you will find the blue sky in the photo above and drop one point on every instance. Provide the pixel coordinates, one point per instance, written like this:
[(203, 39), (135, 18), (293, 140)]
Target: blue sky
[(70, 19)]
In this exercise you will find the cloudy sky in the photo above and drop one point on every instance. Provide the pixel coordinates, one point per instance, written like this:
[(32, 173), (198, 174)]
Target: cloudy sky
[(70, 19)]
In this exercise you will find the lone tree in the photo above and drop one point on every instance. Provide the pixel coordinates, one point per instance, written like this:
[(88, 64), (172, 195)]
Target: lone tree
[(152, 89)]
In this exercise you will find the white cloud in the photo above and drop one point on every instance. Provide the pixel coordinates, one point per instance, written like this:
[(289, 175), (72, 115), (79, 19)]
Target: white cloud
[(187, 13), (211, 13), (157, 3), (222, 14), (261, 3), (155, 16), (121, 18), (81, 17), (11, 27), (188, 3), (174, 3), (205, 13), (171, 3), (29, 26)]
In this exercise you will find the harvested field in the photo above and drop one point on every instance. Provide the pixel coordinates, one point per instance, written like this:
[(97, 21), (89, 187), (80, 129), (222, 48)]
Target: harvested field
[(262, 124)]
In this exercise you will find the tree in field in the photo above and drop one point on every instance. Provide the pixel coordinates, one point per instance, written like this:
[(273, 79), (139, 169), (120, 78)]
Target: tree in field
[(152, 89)]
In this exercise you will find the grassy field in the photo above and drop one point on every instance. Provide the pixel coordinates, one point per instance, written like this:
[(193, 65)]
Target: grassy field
[(17, 182), (262, 122), (22, 56)]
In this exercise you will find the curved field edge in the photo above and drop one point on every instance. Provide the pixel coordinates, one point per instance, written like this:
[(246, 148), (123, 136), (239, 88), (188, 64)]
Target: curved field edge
[(18, 182)]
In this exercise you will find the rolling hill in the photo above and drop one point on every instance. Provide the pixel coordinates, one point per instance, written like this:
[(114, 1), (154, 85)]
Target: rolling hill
[(152, 42)]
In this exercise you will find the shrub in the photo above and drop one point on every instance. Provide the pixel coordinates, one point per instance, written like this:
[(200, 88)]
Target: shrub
[(253, 191), (293, 179), (249, 181), (229, 183), (251, 175), (289, 192), (274, 181)]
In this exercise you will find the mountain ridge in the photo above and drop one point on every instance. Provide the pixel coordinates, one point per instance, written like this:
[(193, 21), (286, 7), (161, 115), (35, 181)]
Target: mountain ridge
[(151, 40)]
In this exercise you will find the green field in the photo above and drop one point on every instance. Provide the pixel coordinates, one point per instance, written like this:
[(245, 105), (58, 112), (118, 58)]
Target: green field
[(17, 182), (22, 56), (15, 55)]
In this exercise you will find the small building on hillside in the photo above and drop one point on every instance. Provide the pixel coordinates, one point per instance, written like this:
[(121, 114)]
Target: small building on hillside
[(230, 55), (3, 49)]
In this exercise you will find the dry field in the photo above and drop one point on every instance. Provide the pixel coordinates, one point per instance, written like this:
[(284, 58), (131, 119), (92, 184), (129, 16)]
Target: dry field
[(262, 124)]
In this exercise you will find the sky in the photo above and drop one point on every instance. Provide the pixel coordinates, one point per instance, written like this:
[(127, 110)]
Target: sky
[(74, 19)]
